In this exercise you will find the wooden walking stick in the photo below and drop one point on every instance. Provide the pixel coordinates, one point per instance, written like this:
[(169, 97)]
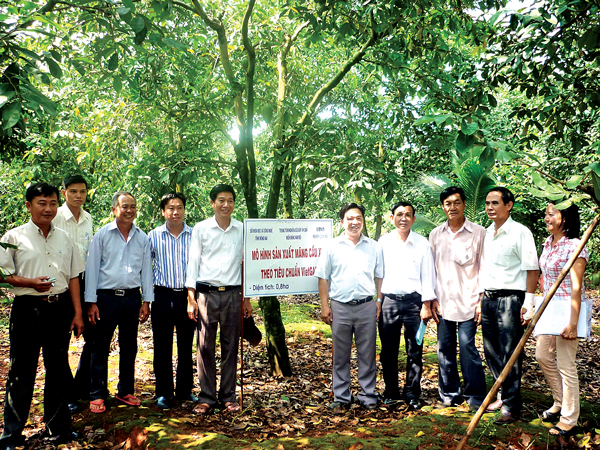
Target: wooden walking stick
[(513, 359)]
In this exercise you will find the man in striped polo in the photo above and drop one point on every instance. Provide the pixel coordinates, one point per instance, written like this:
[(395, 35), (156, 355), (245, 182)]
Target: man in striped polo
[(170, 248)]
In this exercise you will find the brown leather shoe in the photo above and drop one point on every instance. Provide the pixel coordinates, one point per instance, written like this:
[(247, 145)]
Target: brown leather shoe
[(506, 418), (495, 406)]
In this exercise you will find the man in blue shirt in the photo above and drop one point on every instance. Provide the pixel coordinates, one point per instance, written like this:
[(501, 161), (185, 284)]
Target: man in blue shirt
[(118, 264), (170, 248)]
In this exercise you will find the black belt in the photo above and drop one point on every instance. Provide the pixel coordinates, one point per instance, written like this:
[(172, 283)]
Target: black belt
[(170, 290), (204, 287), (497, 293), (119, 292), (403, 296), (360, 301), (45, 298)]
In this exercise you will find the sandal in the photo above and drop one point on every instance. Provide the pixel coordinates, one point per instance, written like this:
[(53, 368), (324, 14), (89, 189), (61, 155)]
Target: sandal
[(202, 408), (130, 400), (97, 406), (549, 416), (233, 406), (565, 434)]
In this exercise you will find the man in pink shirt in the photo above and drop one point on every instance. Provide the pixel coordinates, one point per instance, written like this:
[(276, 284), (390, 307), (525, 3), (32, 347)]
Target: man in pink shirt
[(457, 247)]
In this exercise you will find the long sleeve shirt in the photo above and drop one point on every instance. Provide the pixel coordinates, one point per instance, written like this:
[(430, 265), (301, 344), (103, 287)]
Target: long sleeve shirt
[(216, 254), (114, 263)]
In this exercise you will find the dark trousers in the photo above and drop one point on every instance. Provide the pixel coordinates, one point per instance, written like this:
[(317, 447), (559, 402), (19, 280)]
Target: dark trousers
[(35, 325), (83, 375), (169, 312), (218, 309), (502, 330), (470, 363), (394, 315), (124, 313)]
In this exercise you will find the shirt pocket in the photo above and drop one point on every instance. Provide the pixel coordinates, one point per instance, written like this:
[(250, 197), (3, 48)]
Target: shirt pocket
[(462, 254), (504, 255)]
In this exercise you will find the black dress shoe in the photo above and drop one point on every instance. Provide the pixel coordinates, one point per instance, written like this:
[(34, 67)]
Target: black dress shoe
[(414, 404), (506, 418), (74, 407), (163, 403)]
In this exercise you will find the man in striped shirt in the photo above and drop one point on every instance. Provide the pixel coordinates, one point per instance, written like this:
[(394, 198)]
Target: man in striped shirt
[(170, 247)]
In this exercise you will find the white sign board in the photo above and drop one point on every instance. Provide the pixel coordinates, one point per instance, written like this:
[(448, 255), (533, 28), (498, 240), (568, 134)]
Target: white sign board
[(280, 256)]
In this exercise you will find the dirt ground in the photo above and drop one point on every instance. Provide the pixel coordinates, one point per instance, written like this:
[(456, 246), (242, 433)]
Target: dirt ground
[(276, 407)]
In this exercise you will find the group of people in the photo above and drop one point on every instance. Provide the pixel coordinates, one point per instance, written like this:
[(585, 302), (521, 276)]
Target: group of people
[(463, 276), (67, 280)]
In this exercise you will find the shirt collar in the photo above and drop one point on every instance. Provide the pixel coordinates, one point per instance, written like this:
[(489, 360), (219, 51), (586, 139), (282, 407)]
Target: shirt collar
[(163, 229), (66, 212), (214, 223), (113, 226), (504, 229), (37, 229), (467, 225)]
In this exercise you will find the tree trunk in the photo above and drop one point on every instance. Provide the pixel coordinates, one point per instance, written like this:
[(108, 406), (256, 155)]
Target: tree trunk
[(277, 351)]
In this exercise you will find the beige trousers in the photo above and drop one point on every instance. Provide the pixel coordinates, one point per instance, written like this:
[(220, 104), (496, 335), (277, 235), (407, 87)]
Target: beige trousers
[(556, 357)]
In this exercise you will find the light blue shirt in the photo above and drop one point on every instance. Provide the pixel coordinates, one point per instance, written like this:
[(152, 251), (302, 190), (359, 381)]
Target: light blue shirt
[(170, 256), (113, 263), (350, 268)]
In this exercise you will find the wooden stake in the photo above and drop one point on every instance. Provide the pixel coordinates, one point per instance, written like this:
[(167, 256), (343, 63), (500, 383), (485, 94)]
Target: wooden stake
[(513, 359)]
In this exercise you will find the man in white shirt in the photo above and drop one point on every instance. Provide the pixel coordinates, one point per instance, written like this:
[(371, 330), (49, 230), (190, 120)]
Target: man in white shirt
[(42, 268), (214, 278), (457, 247), (77, 222), (408, 288), (345, 270), (509, 273)]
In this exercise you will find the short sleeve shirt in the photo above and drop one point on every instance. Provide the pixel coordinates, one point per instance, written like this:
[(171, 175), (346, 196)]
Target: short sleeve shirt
[(350, 268), (552, 261), (55, 256), (507, 257)]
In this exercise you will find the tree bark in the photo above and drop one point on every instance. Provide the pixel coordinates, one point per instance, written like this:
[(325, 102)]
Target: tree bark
[(277, 352)]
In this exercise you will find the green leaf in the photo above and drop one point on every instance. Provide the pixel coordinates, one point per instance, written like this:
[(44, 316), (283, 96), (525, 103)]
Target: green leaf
[(487, 157), (464, 142), (424, 120), (174, 44), (117, 83), (5, 97), (469, 128), (563, 205), (11, 115), (55, 69), (574, 181), (448, 118), (596, 184), (130, 5), (137, 24), (139, 37), (113, 61)]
